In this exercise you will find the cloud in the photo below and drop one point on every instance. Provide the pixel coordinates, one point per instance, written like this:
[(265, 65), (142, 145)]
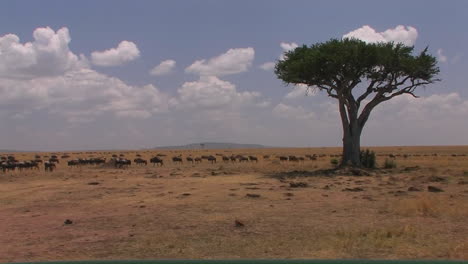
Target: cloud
[(300, 90), (232, 62), (438, 119), (406, 35), (267, 66), (126, 51), (210, 91), (441, 57), (165, 67), (47, 55), (80, 95), (292, 112), (287, 47)]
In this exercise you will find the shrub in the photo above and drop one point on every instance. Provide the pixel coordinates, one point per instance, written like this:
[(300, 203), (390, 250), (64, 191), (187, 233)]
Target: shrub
[(390, 164), (368, 159), (334, 162)]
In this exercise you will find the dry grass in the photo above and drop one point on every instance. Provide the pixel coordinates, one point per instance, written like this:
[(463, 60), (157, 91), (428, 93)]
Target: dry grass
[(188, 210)]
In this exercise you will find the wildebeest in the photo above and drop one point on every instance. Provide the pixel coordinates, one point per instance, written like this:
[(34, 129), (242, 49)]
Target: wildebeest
[(198, 160), (283, 158), (119, 163), (140, 161), (242, 158), (27, 165), (212, 159), (156, 161), (293, 158), (177, 159), (189, 159), (8, 166), (253, 158), (49, 166), (54, 159), (72, 163), (225, 158)]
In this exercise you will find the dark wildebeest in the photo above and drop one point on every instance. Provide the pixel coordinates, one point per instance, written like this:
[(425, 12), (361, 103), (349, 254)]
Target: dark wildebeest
[(225, 158), (283, 158), (189, 159), (253, 158), (156, 161), (293, 158), (8, 166), (27, 165), (122, 163), (140, 161), (54, 160), (177, 159), (72, 163), (212, 159), (233, 158), (49, 166), (198, 160), (242, 158)]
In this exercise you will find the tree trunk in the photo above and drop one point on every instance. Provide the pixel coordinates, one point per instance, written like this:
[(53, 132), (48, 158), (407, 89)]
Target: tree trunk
[(351, 145), (351, 135)]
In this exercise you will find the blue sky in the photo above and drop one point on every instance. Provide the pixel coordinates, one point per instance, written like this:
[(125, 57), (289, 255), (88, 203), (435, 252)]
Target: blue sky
[(84, 80)]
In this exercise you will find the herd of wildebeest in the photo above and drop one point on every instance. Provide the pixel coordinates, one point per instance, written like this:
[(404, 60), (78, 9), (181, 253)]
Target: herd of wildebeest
[(10, 163)]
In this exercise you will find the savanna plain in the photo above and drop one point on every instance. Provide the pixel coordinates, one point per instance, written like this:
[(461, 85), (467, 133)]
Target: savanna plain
[(265, 209)]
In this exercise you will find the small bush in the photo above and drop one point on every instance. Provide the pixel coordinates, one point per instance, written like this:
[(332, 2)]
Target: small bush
[(334, 162), (368, 159), (390, 164)]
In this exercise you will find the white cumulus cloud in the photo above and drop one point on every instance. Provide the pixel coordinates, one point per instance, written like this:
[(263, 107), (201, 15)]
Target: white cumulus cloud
[(232, 62), (441, 56), (299, 90), (165, 67), (292, 112), (126, 51), (287, 47), (80, 95), (47, 55), (210, 91), (267, 66), (400, 34)]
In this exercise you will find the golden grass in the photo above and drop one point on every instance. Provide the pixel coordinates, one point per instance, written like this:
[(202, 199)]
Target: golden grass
[(145, 212)]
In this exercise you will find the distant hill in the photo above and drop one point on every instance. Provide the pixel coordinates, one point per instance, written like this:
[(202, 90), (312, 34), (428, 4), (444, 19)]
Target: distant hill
[(213, 145), (10, 151)]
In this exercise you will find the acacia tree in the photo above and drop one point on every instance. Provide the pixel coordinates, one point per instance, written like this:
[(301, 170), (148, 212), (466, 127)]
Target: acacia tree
[(355, 72)]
